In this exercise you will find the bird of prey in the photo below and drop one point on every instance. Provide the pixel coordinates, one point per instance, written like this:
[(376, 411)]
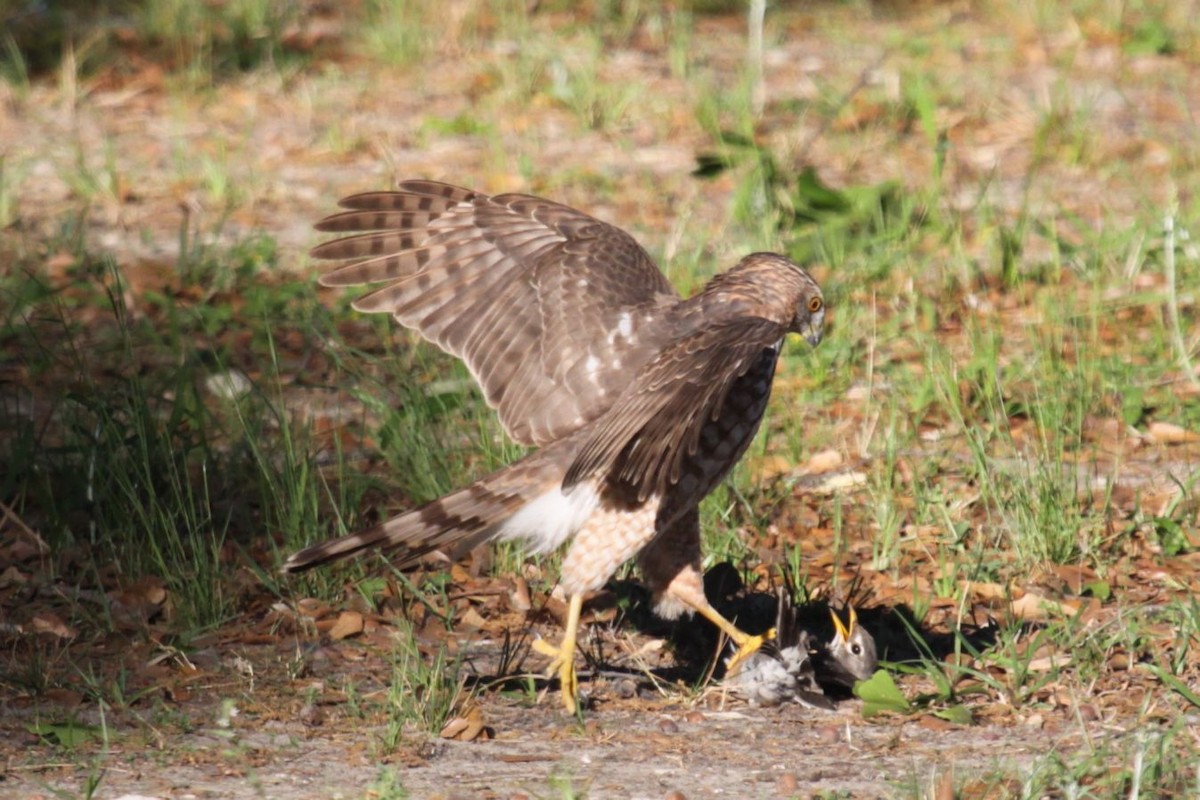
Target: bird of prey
[(793, 664), (638, 401)]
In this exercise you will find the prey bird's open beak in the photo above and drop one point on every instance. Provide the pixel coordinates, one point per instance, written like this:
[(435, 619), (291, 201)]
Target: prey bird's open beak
[(843, 633)]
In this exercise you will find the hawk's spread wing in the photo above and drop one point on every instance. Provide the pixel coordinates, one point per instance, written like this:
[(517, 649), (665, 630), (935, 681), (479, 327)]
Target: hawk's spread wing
[(552, 310), (655, 425)]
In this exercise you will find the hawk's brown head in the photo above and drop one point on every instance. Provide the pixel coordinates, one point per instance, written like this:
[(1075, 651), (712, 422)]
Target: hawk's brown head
[(786, 289)]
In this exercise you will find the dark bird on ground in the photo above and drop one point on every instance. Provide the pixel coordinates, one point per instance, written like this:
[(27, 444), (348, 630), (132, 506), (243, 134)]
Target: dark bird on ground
[(793, 663)]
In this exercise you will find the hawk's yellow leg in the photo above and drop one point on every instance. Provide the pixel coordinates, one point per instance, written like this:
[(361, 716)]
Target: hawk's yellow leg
[(747, 645), (687, 587), (564, 655)]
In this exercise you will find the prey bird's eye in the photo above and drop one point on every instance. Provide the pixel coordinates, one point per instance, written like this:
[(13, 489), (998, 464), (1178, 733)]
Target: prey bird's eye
[(814, 305)]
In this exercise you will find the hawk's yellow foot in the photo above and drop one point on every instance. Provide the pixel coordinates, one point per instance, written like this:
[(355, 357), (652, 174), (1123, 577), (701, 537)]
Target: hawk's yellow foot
[(688, 589), (747, 645), (746, 648), (563, 656)]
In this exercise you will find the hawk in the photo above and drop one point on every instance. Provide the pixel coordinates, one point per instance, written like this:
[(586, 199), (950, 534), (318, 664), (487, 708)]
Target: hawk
[(638, 401)]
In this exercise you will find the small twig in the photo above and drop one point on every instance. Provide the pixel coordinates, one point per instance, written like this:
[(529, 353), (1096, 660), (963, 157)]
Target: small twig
[(9, 514), (641, 665)]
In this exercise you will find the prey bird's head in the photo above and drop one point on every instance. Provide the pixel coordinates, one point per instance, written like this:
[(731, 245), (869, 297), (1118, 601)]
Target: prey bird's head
[(852, 651)]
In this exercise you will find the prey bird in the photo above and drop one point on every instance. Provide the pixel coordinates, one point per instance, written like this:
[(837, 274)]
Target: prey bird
[(637, 401), (793, 664)]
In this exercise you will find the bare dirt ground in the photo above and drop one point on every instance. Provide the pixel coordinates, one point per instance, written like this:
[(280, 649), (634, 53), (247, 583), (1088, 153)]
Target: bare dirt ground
[(260, 710), (252, 733)]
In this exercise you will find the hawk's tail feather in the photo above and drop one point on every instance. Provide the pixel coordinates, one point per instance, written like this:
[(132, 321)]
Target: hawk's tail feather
[(403, 538), (455, 523)]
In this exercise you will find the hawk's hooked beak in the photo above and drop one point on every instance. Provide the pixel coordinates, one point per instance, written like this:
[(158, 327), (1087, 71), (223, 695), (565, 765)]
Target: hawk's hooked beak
[(812, 334)]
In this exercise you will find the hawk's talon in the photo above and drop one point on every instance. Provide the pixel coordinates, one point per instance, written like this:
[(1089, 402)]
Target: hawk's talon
[(563, 663), (562, 658), (747, 648), (545, 648)]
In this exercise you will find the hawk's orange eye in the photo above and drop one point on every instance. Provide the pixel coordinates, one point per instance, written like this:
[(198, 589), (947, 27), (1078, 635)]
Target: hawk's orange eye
[(814, 305)]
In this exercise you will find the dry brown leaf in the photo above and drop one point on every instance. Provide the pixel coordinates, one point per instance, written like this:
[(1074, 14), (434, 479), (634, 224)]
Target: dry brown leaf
[(1049, 662), (931, 723), (556, 607), (1075, 576), (453, 728), (984, 590), (23, 550), (177, 693), (152, 590), (1120, 661), (518, 597), (51, 623), (767, 468), (1034, 607), (841, 482), (313, 608), (1157, 503), (943, 784), (1169, 433), (471, 619), (647, 648), (349, 623), (467, 727), (824, 461), (138, 603)]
